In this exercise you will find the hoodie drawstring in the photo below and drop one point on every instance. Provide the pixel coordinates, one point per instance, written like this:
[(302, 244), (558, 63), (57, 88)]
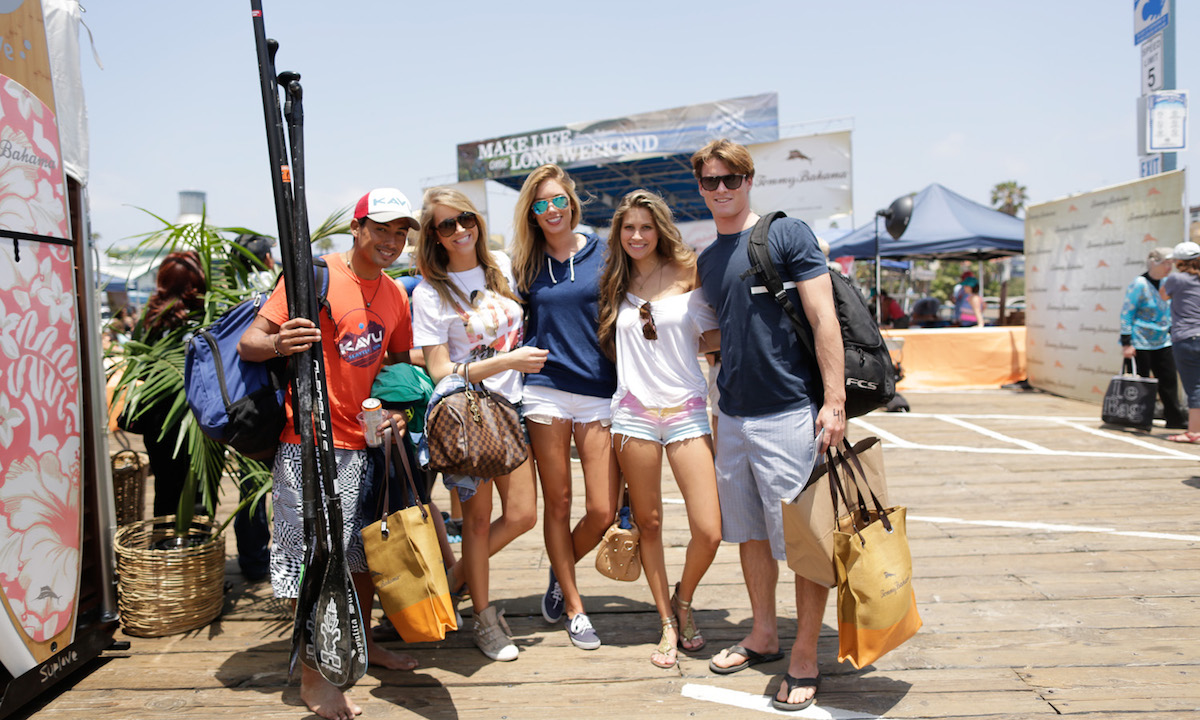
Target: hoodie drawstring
[(550, 268)]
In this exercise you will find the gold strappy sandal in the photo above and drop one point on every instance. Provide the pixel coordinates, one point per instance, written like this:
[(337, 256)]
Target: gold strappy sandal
[(666, 647), (687, 623)]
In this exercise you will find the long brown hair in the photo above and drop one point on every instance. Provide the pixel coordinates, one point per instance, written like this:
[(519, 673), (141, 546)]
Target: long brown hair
[(614, 281), (432, 258), (180, 291), (1191, 267), (529, 242)]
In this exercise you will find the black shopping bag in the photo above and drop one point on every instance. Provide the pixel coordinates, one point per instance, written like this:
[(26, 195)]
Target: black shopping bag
[(1129, 400)]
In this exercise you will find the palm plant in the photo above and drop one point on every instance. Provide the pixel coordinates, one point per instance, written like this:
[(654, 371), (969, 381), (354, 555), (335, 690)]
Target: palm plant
[(1009, 197), (151, 375)]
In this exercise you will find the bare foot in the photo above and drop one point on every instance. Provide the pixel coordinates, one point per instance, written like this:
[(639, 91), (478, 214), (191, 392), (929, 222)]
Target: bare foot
[(325, 699), (380, 656)]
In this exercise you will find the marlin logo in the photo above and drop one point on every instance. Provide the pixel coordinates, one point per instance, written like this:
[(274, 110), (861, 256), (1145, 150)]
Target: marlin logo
[(797, 155)]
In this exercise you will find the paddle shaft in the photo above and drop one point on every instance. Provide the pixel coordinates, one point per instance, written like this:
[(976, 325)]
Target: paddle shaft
[(320, 562)]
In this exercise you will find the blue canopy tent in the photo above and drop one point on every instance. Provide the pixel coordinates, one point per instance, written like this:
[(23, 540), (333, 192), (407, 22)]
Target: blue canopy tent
[(944, 225)]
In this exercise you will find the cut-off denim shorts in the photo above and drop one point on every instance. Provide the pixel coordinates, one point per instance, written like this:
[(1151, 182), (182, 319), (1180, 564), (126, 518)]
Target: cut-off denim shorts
[(544, 404), (661, 425)]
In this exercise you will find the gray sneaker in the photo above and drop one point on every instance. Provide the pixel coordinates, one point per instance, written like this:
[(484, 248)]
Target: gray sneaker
[(582, 634), (552, 602), (492, 635)]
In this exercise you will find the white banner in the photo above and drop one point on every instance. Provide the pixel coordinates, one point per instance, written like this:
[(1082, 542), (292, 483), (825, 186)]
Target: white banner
[(1080, 255), (806, 177)]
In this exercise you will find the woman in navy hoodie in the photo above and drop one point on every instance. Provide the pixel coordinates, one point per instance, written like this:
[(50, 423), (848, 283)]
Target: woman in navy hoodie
[(557, 270)]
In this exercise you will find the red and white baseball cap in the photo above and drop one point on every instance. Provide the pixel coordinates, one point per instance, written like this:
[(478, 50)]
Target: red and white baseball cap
[(384, 205)]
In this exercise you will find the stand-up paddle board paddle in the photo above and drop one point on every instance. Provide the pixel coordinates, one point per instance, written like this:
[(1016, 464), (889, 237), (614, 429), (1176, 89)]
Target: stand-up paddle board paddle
[(40, 401), (328, 633), (337, 603)]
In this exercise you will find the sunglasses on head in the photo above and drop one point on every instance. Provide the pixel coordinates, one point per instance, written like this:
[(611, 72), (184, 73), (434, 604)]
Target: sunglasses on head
[(648, 330), (541, 206), (447, 227), (732, 182)]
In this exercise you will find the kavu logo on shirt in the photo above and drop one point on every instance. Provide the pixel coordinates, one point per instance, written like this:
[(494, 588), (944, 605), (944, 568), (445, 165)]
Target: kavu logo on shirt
[(361, 341)]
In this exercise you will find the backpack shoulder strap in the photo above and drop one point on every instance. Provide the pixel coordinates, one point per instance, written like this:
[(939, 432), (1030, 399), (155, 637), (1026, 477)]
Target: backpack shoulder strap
[(321, 275), (763, 266)]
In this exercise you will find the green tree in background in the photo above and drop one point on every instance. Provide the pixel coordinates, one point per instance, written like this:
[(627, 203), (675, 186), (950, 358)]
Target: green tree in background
[(1009, 197)]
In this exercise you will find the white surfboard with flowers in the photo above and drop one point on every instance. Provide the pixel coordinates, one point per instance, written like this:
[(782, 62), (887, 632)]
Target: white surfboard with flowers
[(40, 399)]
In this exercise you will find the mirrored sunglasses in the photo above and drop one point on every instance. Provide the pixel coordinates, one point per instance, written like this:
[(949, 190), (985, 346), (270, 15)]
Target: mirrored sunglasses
[(541, 206), (732, 182), (449, 226)]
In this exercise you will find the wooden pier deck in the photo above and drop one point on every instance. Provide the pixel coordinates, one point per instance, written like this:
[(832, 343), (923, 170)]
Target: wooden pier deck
[(1056, 565)]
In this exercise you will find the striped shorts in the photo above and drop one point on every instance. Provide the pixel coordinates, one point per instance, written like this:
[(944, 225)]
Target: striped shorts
[(757, 467), (287, 548)]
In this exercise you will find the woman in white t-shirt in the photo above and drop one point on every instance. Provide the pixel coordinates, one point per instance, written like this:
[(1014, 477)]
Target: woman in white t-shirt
[(654, 322), (469, 322)]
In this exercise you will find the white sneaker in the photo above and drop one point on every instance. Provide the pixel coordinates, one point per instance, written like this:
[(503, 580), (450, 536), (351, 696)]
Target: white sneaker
[(492, 635)]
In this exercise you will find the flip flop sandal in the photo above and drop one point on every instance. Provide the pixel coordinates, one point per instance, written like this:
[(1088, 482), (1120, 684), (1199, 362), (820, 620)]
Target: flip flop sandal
[(752, 658), (1186, 437), (792, 683)]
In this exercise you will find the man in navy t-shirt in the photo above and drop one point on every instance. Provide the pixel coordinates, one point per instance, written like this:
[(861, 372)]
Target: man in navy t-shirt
[(771, 428)]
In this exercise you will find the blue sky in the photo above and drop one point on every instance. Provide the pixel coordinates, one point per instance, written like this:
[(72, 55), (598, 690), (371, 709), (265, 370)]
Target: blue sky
[(960, 93)]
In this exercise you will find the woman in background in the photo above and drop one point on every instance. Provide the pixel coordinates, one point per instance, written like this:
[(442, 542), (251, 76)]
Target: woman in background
[(558, 275), (969, 306), (654, 322), (179, 291)]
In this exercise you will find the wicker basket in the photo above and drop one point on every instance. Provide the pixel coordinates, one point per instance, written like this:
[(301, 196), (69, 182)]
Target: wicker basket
[(172, 590), (129, 471)]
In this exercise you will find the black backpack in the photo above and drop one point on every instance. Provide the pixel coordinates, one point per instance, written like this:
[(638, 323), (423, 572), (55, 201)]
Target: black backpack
[(870, 373), (237, 402)]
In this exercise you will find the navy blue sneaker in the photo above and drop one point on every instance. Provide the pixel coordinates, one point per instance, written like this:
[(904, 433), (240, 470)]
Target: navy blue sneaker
[(552, 601), (582, 634)]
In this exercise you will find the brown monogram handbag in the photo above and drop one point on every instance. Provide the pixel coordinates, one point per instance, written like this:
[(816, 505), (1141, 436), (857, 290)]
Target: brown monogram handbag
[(472, 431)]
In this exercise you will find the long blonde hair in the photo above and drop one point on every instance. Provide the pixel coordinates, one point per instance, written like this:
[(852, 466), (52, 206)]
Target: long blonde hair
[(432, 258), (618, 268), (529, 242)]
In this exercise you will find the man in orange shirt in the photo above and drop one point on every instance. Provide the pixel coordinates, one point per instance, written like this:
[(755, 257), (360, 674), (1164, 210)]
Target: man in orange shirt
[(368, 325)]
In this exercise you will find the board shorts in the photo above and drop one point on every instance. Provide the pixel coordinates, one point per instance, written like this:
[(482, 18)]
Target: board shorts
[(288, 546), (757, 461)]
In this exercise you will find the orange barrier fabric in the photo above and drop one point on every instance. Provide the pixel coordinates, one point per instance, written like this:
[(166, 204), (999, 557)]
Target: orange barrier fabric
[(960, 357)]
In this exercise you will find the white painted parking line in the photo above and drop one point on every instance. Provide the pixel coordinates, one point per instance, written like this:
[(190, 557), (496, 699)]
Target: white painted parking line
[(1049, 527), (992, 433), (1124, 437), (1156, 451), (762, 703)]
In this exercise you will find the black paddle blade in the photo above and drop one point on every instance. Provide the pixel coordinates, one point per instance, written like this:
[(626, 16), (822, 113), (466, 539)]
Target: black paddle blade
[(304, 620), (341, 643)]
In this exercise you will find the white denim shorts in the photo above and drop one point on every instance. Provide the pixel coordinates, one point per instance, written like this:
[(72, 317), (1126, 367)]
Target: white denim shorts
[(543, 405)]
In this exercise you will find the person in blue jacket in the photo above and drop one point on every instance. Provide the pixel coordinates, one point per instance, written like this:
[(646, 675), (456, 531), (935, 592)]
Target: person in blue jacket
[(557, 270)]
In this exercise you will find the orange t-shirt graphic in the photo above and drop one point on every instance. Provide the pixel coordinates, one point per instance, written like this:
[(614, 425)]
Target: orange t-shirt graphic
[(354, 345)]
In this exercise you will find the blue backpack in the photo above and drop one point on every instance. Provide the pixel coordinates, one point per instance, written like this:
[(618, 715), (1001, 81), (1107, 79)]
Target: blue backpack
[(236, 402)]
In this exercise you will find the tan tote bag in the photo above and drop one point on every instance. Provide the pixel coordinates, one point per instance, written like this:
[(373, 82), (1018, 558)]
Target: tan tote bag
[(809, 520)]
